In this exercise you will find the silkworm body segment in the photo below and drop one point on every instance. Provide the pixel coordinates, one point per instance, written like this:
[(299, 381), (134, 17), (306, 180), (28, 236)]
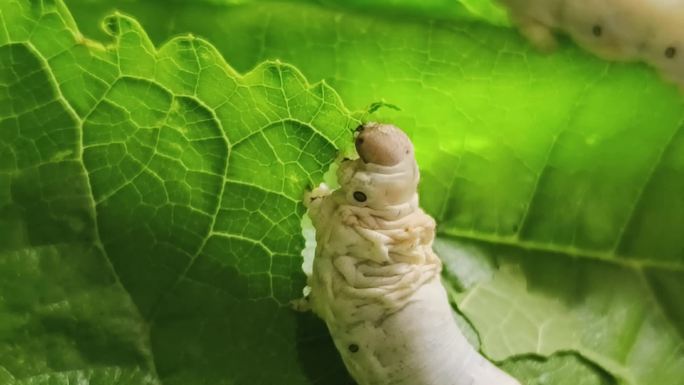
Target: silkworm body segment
[(376, 281), (623, 30)]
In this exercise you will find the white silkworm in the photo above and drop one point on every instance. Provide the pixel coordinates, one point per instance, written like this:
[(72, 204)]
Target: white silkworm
[(665, 46), (536, 19), (611, 29), (625, 30), (376, 280)]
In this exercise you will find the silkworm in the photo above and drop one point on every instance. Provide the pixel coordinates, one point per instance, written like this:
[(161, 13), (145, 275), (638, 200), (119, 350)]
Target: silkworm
[(621, 30), (536, 19), (665, 46), (610, 29), (376, 280)]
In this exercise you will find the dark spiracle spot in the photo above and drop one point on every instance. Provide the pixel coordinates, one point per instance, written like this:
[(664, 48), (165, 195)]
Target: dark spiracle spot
[(353, 348), (359, 141), (670, 52), (359, 196), (597, 30)]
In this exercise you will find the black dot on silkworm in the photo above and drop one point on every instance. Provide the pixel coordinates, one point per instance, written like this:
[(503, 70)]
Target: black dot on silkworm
[(597, 30), (353, 348), (359, 141), (359, 196), (670, 52)]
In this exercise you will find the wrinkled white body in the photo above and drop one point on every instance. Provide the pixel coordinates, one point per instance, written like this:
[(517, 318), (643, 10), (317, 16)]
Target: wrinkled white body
[(376, 283), (630, 30)]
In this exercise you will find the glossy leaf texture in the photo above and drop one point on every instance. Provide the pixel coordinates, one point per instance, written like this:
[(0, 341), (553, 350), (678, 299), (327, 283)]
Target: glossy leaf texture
[(586, 150), (556, 181), (150, 205), (560, 173)]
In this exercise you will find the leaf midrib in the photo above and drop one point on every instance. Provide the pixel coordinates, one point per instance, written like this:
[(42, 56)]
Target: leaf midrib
[(514, 241)]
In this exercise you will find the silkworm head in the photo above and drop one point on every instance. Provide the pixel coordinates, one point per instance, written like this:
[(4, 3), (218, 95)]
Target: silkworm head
[(382, 144), (386, 173)]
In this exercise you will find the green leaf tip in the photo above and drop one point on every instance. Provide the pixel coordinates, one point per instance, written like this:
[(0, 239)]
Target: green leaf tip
[(375, 106)]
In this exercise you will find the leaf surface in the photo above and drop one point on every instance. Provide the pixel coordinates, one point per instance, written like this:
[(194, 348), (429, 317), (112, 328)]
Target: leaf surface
[(569, 159), (561, 153), (561, 174), (151, 201)]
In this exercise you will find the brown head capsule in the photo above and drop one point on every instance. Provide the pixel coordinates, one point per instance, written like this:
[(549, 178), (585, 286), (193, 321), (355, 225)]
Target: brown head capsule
[(382, 144)]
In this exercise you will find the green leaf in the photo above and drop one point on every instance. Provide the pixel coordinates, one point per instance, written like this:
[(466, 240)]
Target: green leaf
[(569, 159), (561, 174), (150, 205), (561, 369), (561, 153), (528, 303), (484, 10)]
